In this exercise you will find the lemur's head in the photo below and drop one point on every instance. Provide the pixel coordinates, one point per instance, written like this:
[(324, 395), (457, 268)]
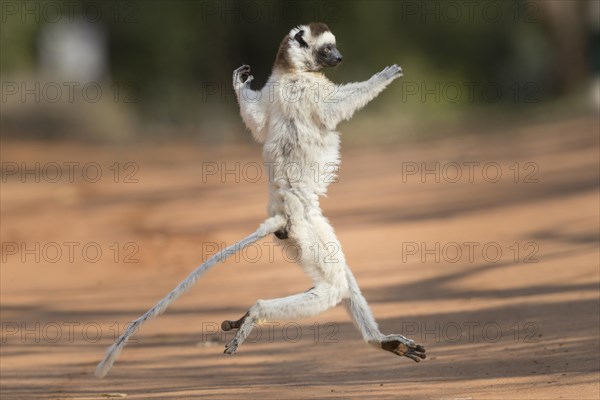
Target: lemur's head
[(308, 48)]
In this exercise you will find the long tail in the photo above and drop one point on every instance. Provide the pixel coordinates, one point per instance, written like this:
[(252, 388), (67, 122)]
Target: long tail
[(269, 226)]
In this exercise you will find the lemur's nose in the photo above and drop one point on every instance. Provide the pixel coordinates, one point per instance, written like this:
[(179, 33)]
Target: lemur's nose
[(339, 58)]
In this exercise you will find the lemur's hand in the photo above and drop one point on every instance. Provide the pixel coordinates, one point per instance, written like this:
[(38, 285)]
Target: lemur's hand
[(389, 73), (241, 76)]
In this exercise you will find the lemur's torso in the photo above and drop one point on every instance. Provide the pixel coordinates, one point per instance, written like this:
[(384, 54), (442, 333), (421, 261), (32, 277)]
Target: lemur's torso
[(301, 152)]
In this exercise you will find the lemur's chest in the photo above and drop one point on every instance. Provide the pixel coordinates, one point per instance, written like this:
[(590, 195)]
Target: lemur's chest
[(300, 96), (296, 130)]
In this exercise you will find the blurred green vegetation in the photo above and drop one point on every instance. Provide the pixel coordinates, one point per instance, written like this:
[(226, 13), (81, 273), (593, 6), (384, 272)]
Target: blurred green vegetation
[(179, 55)]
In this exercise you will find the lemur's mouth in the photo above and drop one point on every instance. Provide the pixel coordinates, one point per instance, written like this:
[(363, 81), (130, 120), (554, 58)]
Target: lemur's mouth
[(334, 62)]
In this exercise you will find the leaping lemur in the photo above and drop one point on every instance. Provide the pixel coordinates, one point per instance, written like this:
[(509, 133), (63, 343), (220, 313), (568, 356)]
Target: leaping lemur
[(295, 115)]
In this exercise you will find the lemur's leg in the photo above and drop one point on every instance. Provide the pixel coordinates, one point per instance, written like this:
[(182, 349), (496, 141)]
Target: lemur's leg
[(359, 310), (334, 262), (319, 254), (349, 98), (312, 302)]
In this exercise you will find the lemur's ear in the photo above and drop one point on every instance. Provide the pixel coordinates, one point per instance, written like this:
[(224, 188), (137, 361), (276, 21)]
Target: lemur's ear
[(300, 39)]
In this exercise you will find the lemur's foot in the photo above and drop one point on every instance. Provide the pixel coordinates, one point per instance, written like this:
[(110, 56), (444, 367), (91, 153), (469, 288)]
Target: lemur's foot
[(403, 346), (232, 346), (229, 325)]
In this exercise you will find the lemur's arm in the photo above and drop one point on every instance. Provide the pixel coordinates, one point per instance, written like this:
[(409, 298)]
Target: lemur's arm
[(351, 97), (252, 103)]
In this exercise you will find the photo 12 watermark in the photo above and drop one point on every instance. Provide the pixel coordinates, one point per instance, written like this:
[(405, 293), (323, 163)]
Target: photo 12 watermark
[(271, 251), (71, 252), (49, 11), (69, 172), (29, 92), (271, 331), (470, 252), (59, 332), (469, 171), (468, 11), (471, 331), (253, 172)]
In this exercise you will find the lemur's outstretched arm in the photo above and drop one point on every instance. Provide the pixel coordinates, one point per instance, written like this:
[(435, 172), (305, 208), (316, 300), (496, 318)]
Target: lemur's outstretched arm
[(252, 103), (351, 97)]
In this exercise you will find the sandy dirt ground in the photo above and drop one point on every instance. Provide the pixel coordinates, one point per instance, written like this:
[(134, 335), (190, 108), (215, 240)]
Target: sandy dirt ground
[(495, 270)]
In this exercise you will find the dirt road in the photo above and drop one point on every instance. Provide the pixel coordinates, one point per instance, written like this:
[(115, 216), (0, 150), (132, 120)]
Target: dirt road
[(484, 249)]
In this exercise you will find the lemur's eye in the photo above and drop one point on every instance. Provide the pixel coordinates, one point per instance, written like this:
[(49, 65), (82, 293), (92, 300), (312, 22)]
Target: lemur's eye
[(326, 50)]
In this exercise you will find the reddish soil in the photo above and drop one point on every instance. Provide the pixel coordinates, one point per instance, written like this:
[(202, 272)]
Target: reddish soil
[(497, 277)]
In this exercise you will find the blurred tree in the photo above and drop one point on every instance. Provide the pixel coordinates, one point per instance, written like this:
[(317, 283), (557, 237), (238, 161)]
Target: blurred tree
[(179, 54)]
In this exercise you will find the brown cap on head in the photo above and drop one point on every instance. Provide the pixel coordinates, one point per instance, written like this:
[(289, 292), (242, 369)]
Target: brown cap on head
[(316, 28)]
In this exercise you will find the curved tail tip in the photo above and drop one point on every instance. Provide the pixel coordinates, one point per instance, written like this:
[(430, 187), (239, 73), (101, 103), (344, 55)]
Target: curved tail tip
[(101, 370), (109, 359)]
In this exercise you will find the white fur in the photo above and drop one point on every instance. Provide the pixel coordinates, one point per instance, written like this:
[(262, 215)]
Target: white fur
[(296, 119)]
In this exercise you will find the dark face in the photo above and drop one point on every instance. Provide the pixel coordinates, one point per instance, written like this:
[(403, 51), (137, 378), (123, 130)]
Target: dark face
[(329, 56)]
